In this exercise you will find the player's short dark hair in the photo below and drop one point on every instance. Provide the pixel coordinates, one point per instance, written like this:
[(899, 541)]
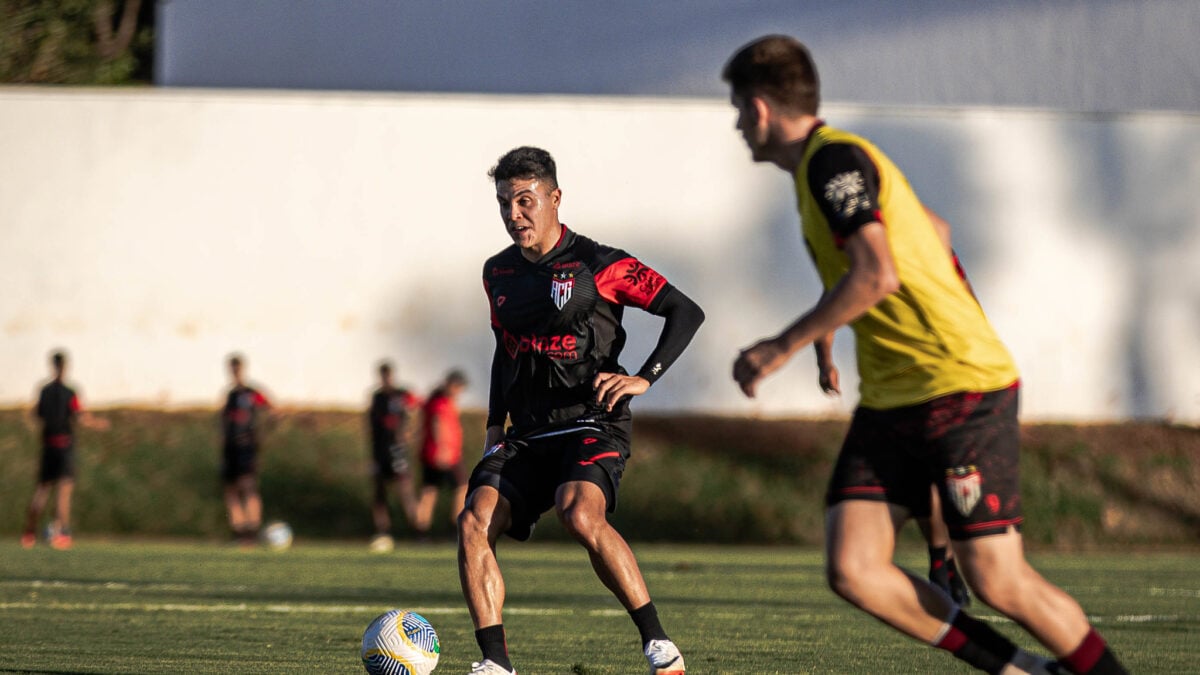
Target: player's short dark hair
[(525, 162), (235, 360), (456, 377), (59, 358), (779, 68), (385, 367)]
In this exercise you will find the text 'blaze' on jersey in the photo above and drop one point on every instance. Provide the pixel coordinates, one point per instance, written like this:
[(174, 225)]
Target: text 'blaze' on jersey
[(558, 323)]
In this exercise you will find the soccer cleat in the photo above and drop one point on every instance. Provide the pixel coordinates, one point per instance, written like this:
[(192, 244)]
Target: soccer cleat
[(664, 658), (490, 667), (61, 542), (28, 539)]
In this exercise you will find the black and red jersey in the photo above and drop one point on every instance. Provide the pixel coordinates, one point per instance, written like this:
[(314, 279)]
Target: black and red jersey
[(390, 414), (557, 323), (57, 407), (240, 416)]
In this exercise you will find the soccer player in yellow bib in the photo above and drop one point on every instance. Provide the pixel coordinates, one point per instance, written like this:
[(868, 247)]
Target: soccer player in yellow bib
[(938, 398)]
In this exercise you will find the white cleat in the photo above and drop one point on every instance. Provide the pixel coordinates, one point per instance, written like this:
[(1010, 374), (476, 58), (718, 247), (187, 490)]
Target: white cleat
[(664, 658), (490, 667)]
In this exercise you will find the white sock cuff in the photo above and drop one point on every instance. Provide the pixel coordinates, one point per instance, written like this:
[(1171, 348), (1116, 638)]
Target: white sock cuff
[(941, 634)]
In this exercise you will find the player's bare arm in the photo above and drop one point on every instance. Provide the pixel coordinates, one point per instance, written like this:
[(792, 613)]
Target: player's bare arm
[(827, 373), (871, 278)]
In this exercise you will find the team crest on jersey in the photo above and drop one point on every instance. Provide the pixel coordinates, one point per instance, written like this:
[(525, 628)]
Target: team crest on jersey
[(964, 483), (560, 288)]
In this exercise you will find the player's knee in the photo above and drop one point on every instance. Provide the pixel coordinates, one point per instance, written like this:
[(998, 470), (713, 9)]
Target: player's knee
[(472, 527), (847, 576), (580, 523)]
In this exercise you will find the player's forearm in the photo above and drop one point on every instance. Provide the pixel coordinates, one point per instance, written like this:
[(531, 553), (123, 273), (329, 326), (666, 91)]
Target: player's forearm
[(824, 349), (682, 319), (852, 297), (497, 411)]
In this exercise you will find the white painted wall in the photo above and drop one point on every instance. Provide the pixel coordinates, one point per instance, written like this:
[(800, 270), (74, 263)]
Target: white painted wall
[(152, 232), (1082, 55)]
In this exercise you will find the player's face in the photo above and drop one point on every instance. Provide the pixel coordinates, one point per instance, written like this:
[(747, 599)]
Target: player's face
[(752, 124), (529, 209)]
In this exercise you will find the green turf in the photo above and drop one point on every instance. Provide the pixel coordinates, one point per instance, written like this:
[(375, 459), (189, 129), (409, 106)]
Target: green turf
[(201, 608)]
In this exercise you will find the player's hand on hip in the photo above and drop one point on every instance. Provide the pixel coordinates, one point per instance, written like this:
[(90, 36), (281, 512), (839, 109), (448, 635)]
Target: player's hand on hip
[(756, 362), (610, 387)]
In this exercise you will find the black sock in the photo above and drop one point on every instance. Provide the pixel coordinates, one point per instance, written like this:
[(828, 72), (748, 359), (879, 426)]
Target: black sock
[(977, 643), (493, 645), (646, 620), (1092, 657), (937, 567)]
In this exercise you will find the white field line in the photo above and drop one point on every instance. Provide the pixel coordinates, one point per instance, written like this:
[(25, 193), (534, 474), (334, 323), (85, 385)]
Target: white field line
[(306, 608), (310, 608)]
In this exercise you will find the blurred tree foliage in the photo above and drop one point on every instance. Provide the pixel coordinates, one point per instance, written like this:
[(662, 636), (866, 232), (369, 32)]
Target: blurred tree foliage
[(99, 42)]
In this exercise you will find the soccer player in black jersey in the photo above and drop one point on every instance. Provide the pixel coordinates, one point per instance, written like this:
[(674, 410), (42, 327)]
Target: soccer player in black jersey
[(557, 299), (241, 418), (938, 392), (390, 423), (57, 408)]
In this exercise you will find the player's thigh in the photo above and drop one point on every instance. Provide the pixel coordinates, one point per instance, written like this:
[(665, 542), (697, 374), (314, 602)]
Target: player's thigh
[(487, 511), (860, 535), (581, 506), (995, 566)]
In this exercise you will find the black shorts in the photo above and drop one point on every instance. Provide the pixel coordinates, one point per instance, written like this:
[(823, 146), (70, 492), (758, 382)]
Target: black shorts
[(527, 470), (57, 464), (453, 476), (238, 461), (965, 443), (391, 461)]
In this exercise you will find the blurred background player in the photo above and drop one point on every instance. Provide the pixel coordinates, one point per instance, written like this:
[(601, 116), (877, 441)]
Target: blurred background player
[(557, 299), (938, 393), (57, 408), (241, 420), (390, 420), (441, 451)]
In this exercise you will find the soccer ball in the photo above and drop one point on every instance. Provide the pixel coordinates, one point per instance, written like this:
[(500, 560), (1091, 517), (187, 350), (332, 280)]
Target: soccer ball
[(277, 535), (382, 543), (400, 643)]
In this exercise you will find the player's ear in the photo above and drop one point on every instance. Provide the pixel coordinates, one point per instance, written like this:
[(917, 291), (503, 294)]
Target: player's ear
[(556, 197), (761, 108)]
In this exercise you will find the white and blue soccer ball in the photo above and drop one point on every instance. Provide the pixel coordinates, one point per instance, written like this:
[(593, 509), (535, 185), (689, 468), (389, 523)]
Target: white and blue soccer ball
[(400, 642), (277, 536)]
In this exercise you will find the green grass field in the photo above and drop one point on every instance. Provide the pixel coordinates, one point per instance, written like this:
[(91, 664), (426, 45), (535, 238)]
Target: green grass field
[(133, 607)]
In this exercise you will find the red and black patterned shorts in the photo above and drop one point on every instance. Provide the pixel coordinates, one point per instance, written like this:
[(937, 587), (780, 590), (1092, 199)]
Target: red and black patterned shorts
[(965, 443)]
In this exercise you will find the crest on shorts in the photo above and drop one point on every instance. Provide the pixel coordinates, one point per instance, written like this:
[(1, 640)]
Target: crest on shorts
[(560, 288), (964, 484)]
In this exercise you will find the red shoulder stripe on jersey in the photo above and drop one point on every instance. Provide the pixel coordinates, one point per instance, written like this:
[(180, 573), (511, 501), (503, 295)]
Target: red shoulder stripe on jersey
[(74, 404), (261, 401), (629, 282)]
